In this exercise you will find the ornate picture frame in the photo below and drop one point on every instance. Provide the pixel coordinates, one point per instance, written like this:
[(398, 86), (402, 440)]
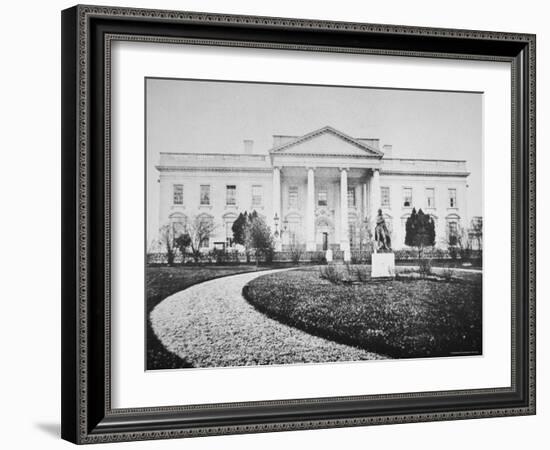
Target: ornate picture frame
[(88, 33)]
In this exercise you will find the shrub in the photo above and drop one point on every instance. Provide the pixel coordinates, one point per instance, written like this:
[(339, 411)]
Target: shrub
[(360, 257), (269, 254), (447, 274), (465, 253), (330, 273), (403, 254), (296, 254), (219, 256), (319, 258), (233, 256), (425, 267), (453, 252), (347, 275), (362, 274)]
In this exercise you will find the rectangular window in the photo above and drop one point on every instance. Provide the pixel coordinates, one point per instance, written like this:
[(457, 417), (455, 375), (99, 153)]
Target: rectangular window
[(430, 197), (351, 197), (452, 198), (231, 195), (178, 194), (385, 196), (206, 223), (293, 197), (205, 195), (407, 197), (322, 197), (257, 195)]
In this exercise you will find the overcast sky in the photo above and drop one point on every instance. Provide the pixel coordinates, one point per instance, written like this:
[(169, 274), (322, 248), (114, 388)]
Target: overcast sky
[(212, 116)]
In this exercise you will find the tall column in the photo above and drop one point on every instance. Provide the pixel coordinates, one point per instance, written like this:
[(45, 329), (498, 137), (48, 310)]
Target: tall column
[(344, 227), (310, 210), (375, 196), (364, 211), (277, 206)]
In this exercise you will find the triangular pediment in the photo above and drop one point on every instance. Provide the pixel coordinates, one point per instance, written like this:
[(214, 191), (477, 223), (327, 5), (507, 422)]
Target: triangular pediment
[(326, 141)]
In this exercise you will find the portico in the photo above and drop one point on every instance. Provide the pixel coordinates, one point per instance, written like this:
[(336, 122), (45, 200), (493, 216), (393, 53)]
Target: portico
[(337, 174), (335, 201)]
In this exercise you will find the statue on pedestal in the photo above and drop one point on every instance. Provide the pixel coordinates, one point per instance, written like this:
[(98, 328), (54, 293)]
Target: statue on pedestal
[(382, 234), (383, 259)]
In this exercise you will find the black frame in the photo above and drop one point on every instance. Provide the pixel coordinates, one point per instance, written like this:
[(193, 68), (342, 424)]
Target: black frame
[(87, 31)]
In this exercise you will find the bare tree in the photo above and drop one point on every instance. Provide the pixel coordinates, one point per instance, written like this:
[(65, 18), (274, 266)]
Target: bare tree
[(476, 231), (200, 229), (364, 233), (459, 242), (166, 240), (296, 250)]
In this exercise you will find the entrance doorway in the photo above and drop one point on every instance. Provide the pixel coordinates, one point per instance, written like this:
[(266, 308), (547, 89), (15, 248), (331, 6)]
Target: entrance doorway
[(325, 241)]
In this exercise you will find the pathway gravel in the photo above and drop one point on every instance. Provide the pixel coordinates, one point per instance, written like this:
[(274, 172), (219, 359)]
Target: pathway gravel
[(212, 325)]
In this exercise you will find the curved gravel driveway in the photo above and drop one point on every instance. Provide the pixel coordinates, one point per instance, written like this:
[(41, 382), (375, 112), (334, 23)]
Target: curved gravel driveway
[(212, 325)]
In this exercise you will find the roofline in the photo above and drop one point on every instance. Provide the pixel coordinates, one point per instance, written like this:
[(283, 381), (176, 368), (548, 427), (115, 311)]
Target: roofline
[(265, 155), (327, 155), (423, 173), (426, 159), (213, 169), (321, 130)]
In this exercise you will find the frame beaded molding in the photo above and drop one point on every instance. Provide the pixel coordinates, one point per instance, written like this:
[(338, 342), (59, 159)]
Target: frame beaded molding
[(87, 12)]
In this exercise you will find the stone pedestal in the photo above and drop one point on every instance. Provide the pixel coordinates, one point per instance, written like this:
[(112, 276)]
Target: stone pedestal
[(328, 255), (383, 265)]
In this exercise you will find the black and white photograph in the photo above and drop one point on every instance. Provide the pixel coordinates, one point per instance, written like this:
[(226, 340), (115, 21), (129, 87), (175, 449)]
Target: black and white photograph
[(298, 224), (275, 225)]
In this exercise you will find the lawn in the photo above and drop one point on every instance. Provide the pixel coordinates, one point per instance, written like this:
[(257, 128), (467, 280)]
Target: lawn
[(402, 318), (165, 281)]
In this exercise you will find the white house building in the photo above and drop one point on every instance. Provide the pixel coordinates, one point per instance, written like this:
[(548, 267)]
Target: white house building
[(317, 190)]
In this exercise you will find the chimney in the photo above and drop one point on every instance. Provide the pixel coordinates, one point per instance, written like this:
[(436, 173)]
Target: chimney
[(387, 149), (248, 146)]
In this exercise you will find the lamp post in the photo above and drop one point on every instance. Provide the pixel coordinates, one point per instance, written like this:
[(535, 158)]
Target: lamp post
[(276, 223), (277, 234)]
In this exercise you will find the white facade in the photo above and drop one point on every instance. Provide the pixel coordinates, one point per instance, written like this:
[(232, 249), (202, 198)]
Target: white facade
[(318, 190)]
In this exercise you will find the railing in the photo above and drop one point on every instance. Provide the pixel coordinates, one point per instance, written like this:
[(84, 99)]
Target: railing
[(186, 157), (315, 257), (431, 165)]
